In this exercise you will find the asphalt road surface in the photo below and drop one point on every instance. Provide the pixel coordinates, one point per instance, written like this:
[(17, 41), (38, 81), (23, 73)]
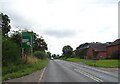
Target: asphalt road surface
[(64, 71)]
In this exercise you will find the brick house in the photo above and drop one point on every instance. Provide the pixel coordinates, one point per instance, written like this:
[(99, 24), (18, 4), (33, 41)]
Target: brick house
[(113, 50), (96, 51)]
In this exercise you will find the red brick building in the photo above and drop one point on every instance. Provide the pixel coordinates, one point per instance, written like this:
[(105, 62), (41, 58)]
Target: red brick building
[(96, 51), (113, 50)]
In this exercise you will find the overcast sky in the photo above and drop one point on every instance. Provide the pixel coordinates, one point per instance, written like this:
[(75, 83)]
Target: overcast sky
[(65, 22)]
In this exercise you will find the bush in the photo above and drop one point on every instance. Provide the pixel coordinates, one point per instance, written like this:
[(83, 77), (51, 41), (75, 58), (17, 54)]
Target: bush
[(22, 69), (40, 54), (30, 59), (81, 53), (11, 53)]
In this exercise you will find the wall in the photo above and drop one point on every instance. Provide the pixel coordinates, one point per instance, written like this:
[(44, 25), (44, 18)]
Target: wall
[(90, 53), (112, 49), (101, 55)]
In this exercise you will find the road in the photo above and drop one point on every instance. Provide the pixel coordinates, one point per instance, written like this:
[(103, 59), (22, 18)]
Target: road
[(64, 71)]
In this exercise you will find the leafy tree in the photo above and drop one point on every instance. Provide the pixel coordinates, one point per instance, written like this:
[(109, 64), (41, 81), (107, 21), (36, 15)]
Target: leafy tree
[(49, 54), (40, 54), (67, 51), (57, 56), (81, 53), (35, 36), (40, 44), (5, 24), (81, 50), (16, 37), (54, 55), (11, 53)]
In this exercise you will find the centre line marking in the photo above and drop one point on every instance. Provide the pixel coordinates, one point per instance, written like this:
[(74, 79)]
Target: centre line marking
[(89, 75)]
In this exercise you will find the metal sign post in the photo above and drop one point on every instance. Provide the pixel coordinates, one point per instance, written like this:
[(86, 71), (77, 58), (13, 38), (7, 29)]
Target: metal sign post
[(32, 46)]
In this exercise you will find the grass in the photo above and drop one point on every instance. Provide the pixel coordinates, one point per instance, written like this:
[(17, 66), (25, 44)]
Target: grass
[(109, 63), (77, 60), (62, 58), (23, 69), (104, 63)]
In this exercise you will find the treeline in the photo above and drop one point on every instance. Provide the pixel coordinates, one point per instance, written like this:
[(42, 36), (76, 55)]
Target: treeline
[(11, 44)]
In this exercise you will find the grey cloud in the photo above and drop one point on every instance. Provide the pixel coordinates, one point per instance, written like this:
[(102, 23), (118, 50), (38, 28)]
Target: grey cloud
[(21, 22), (16, 18), (61, 33)]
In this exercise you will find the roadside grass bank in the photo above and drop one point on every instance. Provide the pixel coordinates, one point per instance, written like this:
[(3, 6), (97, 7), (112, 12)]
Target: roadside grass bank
[(106, 63), (77, 60), (24, 68)]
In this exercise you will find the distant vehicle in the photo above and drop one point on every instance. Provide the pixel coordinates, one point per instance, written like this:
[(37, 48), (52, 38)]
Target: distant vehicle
[(52, 58)]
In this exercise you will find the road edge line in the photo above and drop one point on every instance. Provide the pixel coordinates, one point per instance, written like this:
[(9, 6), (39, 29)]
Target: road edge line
[(41, 76)]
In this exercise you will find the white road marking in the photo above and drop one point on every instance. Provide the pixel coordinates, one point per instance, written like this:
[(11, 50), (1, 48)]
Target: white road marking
[(41, 76), (91, 68), (89, 75), (81, 71), (88, 67)]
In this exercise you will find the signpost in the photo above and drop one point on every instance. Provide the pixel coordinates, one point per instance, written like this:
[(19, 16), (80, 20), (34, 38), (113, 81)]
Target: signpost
[(27, 41)]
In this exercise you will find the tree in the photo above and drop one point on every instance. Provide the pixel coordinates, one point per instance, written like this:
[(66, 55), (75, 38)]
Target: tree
[(81, 50), (16, 37), (54, 55), (49, 54), (40, 44), (40, 54), (5, 24), (67, 51), (81, 53), (11, 53)]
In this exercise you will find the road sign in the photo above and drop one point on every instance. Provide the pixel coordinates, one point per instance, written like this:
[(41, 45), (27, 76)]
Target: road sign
[(27, 39)]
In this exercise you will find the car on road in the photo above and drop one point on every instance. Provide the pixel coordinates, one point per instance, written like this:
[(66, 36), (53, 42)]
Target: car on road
[(52, 58)]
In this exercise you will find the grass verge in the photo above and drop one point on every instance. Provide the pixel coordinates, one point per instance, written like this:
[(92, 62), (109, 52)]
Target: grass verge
[(15, 71), (77, 60), (110, 63), (104, 63)]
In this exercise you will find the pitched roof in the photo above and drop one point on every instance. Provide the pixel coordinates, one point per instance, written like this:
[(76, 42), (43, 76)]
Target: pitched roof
[(98, 46), (116, 42)]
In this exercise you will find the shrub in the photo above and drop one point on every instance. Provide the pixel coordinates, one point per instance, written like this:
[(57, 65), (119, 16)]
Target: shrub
[(40, 54), (30, 59), (11, 53)]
